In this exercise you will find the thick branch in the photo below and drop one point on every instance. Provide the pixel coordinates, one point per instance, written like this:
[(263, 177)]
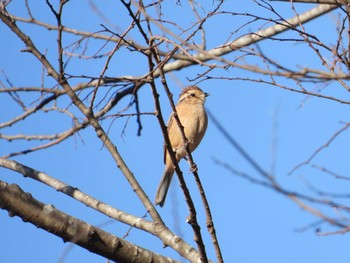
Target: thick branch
[(71, 229), (155, 229), (219, 52)]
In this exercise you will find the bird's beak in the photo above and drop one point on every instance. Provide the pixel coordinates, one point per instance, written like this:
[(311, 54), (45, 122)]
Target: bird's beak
[(206, 94)]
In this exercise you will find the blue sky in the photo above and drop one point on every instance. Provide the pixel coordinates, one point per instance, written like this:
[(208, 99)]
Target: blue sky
[(275, 126)]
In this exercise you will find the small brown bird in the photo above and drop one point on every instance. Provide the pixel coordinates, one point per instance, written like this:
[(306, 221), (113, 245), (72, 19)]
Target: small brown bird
[(192, 115)]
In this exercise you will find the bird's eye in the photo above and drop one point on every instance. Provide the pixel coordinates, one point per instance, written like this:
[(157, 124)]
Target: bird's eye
[(193, 95)]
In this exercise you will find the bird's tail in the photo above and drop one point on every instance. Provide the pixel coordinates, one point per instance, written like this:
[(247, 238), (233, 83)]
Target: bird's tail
[(163, 186)]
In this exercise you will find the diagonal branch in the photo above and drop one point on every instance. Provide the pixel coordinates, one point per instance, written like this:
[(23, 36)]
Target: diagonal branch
[(71, 229), (163, 233), (84, 109), (183, 61), (77, 194), (219, 52)]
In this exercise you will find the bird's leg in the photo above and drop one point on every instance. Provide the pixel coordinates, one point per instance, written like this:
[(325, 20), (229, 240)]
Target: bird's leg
[(193, 168)]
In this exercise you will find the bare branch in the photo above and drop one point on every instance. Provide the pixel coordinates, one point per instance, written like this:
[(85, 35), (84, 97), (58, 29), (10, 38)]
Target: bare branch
[(317, 151), (76, 194), (161, 231), (71, 229), (219, 52)]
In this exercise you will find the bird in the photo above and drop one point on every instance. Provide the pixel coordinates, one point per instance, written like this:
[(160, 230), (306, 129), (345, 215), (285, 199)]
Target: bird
[(193, 117)]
